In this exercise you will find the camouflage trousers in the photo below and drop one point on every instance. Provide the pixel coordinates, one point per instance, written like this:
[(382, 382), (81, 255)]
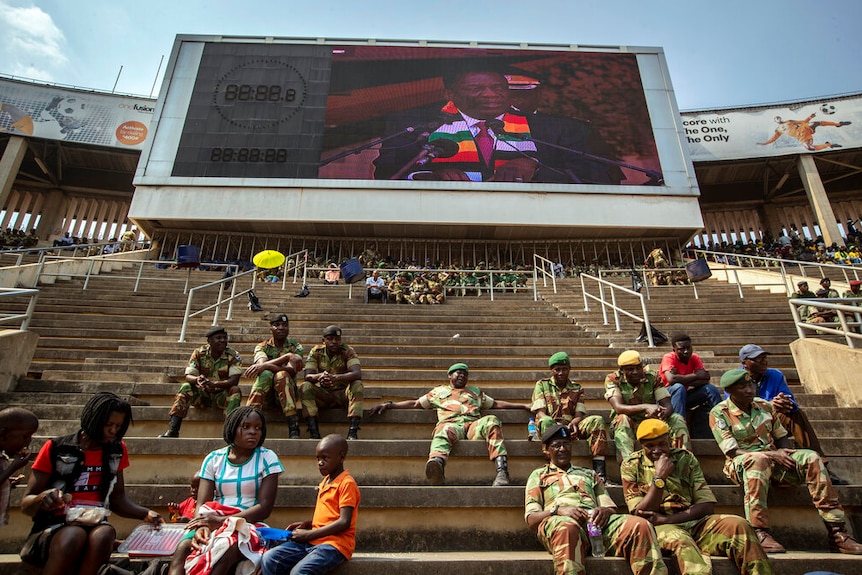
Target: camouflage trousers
[(625, 535), (314, 397), (755, 471), (281, 385), (623, 429), (448, 432), (800, 428), (592, 427), (189, 396), (691, 544)]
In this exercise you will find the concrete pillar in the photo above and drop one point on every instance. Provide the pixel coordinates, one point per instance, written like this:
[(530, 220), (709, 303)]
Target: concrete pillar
[(11, 205), (10, 163), (819, 200), (771, 219), (53, 210)]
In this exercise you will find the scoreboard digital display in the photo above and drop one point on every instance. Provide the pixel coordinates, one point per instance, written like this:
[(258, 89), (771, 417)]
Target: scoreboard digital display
[(256, 111), (301, 113)]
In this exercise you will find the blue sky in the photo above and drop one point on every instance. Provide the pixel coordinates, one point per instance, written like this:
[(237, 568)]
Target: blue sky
[(720, 54)]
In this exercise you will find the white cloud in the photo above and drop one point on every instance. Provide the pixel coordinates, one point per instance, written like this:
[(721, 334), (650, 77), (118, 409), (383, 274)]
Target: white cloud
[(31, 44)]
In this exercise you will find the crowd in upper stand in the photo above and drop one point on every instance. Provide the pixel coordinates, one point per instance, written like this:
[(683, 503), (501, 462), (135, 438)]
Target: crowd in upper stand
[(15, 239), (797, 248)]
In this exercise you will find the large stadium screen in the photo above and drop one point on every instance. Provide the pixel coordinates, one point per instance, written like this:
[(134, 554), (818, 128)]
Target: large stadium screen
[(324, 114)]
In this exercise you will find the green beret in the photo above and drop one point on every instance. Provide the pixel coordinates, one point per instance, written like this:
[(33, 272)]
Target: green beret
[(558, 358), (733, 377), (457, 366)]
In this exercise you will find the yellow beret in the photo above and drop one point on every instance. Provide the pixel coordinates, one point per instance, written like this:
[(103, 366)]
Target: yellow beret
[(630, 357), (652, 428)]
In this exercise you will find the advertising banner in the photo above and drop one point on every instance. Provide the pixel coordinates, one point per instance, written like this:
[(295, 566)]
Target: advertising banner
[(774, 131), (74, 116)]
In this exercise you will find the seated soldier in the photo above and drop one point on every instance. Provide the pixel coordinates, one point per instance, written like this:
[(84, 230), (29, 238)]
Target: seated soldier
[(212, 380), (561, 498), (557, 399), (459, 417), (333, 378), (276, 363), (771, 385), (635, 395), (758, 453), (666, 487)]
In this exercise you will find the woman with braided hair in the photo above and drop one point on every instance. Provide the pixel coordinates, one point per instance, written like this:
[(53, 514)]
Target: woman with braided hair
[(237, 490), (75, 480)]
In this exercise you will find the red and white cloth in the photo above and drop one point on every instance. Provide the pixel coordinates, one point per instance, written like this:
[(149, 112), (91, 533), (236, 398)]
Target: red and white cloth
[(233, 531)]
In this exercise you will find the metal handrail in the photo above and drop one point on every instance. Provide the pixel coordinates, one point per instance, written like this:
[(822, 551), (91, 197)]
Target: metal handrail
[(613, 304), (138, 277), (839, 305), (643, 277), (787, 268), (221, 283), (76, 249), (31, 306), (539, 268), (490, 287), (298, 262)]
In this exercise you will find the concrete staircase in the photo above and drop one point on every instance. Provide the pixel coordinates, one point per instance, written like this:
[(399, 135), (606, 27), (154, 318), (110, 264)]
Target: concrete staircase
[(106, 338)]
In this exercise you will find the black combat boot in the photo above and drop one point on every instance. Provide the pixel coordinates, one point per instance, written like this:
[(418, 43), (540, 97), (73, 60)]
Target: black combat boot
[(353, 431), (434, 471), (293, 427), (502, 471), (173, 427), (313, 431)]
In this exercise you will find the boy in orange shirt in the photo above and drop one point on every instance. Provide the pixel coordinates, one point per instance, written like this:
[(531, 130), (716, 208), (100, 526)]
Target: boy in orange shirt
[(329, 539)]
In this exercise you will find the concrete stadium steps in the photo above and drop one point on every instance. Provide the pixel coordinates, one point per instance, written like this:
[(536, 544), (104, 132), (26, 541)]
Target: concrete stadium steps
[(719, 321), (515, 563), (404, 351)]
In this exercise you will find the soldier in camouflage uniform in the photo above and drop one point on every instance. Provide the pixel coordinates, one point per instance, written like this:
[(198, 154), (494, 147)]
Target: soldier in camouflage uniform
[(399, 287), (758, 453), (635, 394), (333, 378), (666, 486), (276, 363), (561, 498), (417, 289), (459, 417), (213, 360), (435, 290), (557, 399)]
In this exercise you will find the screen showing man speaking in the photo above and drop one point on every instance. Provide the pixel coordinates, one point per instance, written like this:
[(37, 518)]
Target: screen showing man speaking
[(418, 113)]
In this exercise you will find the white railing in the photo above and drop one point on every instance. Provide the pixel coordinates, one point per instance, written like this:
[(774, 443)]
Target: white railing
[(612, 304), (849, 318), (644, 277), (492, 286), (25, 317), (789, 270), (16, 255), (94, 268), (544, 268), (293, 263)]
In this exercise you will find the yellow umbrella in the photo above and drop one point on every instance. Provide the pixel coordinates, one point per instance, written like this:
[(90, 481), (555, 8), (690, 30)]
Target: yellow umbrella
[(268, 259)]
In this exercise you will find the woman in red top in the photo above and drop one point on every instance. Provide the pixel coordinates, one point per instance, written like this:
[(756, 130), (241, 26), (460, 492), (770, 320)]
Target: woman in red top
[(81, 469)]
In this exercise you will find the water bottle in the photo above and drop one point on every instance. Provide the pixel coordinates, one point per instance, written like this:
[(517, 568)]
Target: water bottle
[(532, 432), (596, 543)]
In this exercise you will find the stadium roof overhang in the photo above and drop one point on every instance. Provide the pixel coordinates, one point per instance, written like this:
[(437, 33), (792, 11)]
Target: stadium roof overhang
[(94, 171)]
